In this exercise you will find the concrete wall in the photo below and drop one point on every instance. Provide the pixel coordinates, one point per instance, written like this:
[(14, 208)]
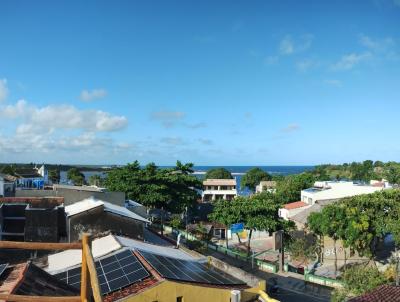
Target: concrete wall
[(72, 196), (168, 291), (97, 221), (342, 254)]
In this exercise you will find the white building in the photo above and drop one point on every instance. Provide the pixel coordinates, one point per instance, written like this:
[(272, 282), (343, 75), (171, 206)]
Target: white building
[(334, 190), (214, 189), (291, 209), (266, 185), (7, 185)]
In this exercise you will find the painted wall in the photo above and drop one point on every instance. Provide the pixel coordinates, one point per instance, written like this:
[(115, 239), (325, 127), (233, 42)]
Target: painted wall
[(168, 291)]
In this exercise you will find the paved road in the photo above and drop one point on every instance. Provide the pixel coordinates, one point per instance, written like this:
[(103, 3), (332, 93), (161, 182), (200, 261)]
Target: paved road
[(289, 296)]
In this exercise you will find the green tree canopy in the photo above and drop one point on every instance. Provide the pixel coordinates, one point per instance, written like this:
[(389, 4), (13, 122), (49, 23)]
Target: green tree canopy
[(76, 176), (172, 188), (218, 173), (289, 189), (54, 175), (9, 169), (96, 180), (253, 177), (257, 212)]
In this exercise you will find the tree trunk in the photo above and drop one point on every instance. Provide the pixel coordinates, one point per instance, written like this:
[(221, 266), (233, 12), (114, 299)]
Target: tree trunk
[(345, 258), (226, 240), (248, 242), (334, 249), (237, 234)]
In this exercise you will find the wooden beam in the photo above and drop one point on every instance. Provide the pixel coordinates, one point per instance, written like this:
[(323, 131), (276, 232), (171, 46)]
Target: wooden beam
[(84, 272), (39, 245), (24, 298), (93, 274)]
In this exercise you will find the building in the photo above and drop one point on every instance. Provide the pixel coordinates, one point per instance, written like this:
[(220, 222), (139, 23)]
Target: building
[(135, 271), (96, 216), (335, 190), (291, 209), (266, 185), (72, 194), (214, 189), (383, 293), (32, 219), (7, 185)]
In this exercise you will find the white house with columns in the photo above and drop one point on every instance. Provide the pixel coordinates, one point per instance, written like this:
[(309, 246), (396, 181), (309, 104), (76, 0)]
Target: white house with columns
[(214, 189)]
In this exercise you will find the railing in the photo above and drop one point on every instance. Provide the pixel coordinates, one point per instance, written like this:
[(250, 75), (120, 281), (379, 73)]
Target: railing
[(88, 271)]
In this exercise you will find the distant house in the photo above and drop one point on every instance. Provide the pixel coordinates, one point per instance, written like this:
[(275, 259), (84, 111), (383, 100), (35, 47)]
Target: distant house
[(214, 189), (335, 190), (291, 209), (96, 216), (266, 185), (7, 185), (31, 178), (32, 219)]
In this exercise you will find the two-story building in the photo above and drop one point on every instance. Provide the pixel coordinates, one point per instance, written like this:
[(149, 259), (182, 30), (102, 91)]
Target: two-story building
[(214, 189)]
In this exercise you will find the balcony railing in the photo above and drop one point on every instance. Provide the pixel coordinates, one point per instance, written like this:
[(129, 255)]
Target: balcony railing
[(90, 289)]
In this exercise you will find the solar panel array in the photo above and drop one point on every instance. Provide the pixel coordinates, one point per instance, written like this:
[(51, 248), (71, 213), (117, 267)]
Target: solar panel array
[(3, 268), (191, 271), (114, 272)]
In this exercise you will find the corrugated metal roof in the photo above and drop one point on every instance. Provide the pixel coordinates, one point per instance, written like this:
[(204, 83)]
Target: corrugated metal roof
[(82, 206)]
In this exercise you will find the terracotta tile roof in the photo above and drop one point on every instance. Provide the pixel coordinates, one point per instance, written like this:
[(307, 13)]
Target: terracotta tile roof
[(295, 205), (384, 293)]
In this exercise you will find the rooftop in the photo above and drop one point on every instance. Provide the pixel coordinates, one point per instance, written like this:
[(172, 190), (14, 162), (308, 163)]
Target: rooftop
[(384, 293), (219, 182), (79, 188), (295, 205)]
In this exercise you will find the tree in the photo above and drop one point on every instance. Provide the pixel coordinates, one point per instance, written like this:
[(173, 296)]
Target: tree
[(289, 189), (392, 173), (358, 280), (10, 169), (54, 176), (301, 249), (218, 173), (257, 212), (253, 177), (172, 189), (95, 180), (76, 176)]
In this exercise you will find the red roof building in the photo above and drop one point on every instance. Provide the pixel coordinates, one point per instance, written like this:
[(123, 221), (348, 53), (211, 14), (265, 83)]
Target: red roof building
[(383, 293)]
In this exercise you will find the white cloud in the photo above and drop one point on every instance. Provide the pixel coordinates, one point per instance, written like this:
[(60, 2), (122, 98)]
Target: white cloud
[(270, 60), (348, 61), (3, 89), (206, 141), (174, 141), (289, 45), (306, 64), (62, 117), (92, 95), (377, 45), (333, 83), (168, 119), (291, 128)]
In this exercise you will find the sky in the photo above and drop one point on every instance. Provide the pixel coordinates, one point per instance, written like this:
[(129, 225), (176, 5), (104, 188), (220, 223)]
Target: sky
[(209, 82)]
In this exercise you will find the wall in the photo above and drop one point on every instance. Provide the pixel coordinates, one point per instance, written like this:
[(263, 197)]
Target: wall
[(72, 196), (97, 221), (41, 225), (343, 254), (168, 291)]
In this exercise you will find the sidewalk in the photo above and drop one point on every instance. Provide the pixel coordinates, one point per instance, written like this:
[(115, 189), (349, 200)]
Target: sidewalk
[(288, 281)]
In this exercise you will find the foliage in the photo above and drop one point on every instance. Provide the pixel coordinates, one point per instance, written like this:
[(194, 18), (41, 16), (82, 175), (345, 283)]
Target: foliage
[(359, 171), (218, 173), (253, 177), (176, 222), (96, 180), (54, 175), (9, 169), (172, 189), (358, 280), (289, 189), (257, 212), (302, 249), (360, 221), (76, 176)]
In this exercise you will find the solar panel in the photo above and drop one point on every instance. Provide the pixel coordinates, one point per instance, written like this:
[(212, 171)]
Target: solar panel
[(192, 271), (114, 272), (3, 268)]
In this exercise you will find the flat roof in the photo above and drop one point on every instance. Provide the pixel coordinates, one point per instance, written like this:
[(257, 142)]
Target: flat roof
[(219, 182)]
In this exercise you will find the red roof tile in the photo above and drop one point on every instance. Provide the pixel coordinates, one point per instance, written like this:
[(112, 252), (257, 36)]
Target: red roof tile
[(384, 293), (295, 205)]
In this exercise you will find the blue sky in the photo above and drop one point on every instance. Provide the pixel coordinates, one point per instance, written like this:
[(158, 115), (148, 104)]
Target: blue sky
[(210, 82)]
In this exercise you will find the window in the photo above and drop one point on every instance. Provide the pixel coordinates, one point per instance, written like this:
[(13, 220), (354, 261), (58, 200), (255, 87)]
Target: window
[(179, 299)]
